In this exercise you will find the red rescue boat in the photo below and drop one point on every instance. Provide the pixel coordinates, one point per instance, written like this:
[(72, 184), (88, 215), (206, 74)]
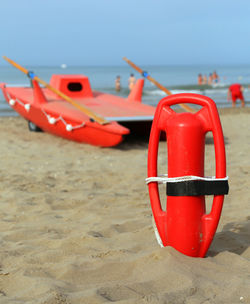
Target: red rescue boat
[(47, 111)]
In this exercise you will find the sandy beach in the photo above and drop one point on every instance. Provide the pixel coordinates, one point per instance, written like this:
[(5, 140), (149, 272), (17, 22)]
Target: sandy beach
[(76, 224)]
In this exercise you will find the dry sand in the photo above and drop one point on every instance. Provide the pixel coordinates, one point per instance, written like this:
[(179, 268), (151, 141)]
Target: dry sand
[(76, 224)]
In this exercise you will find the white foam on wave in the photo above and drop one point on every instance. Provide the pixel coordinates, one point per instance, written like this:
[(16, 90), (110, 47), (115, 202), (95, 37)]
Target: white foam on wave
[(219, 85), (186, 91), (211, 91), (155, 92), (162, 93)]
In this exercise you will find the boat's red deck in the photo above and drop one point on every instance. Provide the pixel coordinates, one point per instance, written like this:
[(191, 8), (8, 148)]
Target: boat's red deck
[(109, 106)]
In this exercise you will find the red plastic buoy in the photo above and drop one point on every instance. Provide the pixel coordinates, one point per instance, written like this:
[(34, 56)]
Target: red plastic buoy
[(185, 225)]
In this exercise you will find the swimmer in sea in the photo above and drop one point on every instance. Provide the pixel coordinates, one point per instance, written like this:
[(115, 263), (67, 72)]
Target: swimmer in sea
[(200, 79), (210, 79), (131, 81), (118, 83), (204, 81), (215, 77)]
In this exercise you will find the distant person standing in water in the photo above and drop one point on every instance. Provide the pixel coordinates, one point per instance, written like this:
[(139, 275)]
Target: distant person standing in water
[(118, 83), (131, 81), (210, 79), (200, 79), (204, 80), (215, 77), (235, 91)]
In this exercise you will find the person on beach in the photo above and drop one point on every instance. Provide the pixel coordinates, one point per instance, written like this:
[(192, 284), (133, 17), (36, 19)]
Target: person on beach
[(200, 79), (131, 82), (235, 91), (118, 83)]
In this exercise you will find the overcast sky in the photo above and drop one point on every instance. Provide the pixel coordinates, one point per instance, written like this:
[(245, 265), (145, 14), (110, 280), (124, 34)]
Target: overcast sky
[(101, 32)]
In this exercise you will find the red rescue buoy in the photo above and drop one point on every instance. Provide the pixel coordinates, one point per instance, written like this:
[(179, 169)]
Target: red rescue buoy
[(185, 225)]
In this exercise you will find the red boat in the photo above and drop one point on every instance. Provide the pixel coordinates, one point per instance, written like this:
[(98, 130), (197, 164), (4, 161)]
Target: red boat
[(47, 111)]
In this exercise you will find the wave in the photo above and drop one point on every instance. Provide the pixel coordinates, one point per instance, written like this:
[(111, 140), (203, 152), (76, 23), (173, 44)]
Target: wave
[(200, 87), (187, 89), (161, 93)]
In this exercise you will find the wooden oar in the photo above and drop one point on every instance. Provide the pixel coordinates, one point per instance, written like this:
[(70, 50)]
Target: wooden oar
[(156, 83), (85, 110)]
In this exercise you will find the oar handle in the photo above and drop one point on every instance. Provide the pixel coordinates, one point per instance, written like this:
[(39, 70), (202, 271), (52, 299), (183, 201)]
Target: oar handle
[(85, 110)]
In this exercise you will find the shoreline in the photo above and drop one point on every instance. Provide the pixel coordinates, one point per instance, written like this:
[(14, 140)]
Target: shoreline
[(8, 112)]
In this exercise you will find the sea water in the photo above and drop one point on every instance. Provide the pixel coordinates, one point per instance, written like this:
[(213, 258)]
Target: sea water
[(177, 79)]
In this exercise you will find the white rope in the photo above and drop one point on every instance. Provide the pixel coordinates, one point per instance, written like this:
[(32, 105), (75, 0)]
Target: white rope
[(12, 102), (53, 120), (8, 95), (163, 179)]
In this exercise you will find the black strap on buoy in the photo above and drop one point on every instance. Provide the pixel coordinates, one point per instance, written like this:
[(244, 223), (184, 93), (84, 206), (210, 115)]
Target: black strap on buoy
[(197, 187)]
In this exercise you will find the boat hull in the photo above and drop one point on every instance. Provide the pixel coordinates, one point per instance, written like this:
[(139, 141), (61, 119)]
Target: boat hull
[(71, 119), (60, 120)]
